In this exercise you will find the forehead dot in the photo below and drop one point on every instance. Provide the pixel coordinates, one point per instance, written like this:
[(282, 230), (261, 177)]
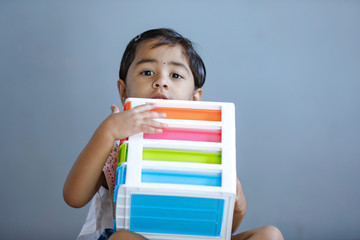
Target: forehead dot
[(163, 62)]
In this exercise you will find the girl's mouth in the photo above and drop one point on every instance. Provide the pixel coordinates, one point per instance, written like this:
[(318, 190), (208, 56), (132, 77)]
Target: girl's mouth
[(159, 96)]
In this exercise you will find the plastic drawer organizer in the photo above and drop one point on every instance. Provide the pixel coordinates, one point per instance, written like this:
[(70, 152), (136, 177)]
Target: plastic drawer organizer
[(180, 184)]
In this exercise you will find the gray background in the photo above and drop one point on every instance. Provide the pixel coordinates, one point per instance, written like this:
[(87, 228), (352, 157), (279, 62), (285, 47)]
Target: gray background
[(291, 67)]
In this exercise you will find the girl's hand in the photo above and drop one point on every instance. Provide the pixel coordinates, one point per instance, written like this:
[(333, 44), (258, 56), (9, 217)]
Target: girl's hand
[(121, 125), (85, 177), (240, 206), (240, 203)]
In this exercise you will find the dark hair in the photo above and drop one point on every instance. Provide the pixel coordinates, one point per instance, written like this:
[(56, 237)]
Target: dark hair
[(166, 37)]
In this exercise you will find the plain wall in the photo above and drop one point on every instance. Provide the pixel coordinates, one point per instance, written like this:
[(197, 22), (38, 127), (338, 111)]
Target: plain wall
[(291, 67)]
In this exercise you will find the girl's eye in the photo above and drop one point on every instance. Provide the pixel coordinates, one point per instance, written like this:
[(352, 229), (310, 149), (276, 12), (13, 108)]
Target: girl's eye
[(147, 73), (175, 75)]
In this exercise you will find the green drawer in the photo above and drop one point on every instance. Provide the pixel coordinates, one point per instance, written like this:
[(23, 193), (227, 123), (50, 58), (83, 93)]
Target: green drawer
[(181, 156)]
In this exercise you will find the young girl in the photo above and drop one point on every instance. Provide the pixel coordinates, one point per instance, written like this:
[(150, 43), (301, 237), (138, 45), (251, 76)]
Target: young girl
[(158, 63)]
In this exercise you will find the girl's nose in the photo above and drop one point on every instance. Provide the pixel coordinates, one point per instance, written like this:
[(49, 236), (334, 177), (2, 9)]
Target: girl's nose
[(161, 82)]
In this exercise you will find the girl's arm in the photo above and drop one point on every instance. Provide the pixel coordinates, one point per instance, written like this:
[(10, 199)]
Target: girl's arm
[(85, 177), (240, 207)]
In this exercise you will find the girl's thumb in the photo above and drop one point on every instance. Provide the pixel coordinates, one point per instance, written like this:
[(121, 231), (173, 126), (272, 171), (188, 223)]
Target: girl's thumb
[(114, 109)]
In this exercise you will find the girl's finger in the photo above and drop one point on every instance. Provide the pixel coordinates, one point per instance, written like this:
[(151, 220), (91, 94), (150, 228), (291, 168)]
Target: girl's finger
[(144, 107), (152, 115), (155, 124), (151, 130), (114, 109)]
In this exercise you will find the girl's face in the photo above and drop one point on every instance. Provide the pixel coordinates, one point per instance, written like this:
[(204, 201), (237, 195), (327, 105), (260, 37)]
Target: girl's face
[(161, 72)]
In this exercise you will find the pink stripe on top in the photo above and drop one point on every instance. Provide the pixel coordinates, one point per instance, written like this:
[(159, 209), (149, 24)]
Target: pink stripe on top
[(187, 135)]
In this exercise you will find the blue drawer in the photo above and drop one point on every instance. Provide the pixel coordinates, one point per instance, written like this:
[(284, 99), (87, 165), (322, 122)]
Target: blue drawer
[(176, 215)]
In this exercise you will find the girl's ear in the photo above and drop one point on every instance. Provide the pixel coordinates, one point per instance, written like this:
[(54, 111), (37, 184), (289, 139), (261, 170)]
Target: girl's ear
[(197, 94), (122, 90)]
